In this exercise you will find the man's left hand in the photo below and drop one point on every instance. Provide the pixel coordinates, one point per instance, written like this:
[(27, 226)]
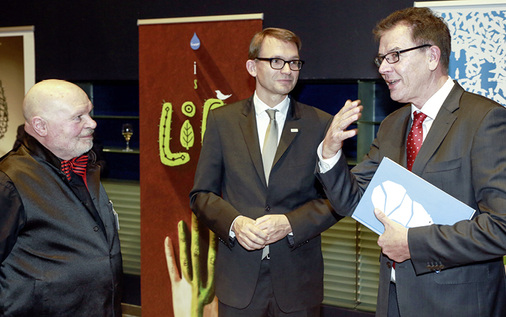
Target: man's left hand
[(276, 226), (394, 241)]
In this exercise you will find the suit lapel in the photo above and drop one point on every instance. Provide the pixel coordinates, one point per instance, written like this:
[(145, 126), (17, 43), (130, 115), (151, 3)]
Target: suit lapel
[(290, 130), (403, 138), (249, 131), (440, 127), (394, 146), (93, 175)]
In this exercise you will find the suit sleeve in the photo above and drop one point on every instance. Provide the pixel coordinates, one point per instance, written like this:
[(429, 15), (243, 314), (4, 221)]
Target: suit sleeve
[(343, 187), (484, 237), (205, 197), (12, 216), (314, 216), (310, 220)]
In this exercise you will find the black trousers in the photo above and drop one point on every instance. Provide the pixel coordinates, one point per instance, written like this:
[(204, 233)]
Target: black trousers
[(264, 303), (393, 305)]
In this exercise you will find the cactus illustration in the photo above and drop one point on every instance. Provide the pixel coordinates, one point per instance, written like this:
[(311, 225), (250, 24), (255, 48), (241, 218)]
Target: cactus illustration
[(209, 105), (166, 155)]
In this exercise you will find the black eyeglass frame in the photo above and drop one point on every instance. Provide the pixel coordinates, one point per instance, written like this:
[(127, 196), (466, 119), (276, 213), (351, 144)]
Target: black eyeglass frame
[(290, 63), (378, 60)]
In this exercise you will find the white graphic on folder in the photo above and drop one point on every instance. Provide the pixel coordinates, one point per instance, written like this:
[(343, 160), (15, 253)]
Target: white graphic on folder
[(407, 199), (394, 201)]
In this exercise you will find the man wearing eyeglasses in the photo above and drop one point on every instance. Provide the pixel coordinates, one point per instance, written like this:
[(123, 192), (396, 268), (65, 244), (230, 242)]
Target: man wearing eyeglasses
[(255, 188), (436, 270)]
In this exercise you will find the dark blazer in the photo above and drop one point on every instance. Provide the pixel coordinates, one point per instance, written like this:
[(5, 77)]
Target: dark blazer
[(230, 181), (63, 258), (454, 270)]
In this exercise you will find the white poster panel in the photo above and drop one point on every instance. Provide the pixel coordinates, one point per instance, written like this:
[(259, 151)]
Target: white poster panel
[(478, 30), (17, 76)]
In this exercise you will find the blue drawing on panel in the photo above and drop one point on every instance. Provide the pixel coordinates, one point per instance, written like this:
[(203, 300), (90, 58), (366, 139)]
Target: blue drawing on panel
[(478, 59)]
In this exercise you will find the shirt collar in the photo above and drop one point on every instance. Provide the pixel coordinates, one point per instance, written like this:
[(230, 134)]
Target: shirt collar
[(432, 106), (261, 106)]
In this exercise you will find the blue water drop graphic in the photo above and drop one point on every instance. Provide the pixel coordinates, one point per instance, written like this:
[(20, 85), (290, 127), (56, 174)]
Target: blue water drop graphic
[(195, 42)]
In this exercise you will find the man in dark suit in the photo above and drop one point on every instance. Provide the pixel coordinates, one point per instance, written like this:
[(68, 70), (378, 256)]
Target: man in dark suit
[(269, 261), (59, 245), (437, 270)]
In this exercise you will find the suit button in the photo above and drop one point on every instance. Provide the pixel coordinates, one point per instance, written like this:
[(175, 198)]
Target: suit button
[(95, 228), (267, 208)]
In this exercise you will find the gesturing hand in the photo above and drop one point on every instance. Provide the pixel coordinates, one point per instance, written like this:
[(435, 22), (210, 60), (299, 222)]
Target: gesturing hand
[(337, 132), (394, 241)]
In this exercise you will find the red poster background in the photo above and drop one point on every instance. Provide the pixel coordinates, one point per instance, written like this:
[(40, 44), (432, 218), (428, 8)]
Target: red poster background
[(168, 68)]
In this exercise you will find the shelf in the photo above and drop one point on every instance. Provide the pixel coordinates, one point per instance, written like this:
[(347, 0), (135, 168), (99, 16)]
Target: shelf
[(120, 150)]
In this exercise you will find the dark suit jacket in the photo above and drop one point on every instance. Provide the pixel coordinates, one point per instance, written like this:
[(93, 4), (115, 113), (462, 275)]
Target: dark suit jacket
[(454, 270), (230, 181), (59, 255)]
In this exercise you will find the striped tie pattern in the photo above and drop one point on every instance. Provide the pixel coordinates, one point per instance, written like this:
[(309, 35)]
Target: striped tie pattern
[(76, 165)]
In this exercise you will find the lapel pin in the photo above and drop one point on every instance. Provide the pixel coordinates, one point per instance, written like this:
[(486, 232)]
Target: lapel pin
[(294, 130)]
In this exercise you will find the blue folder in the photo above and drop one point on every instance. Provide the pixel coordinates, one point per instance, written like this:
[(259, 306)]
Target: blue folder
[(407, 199)]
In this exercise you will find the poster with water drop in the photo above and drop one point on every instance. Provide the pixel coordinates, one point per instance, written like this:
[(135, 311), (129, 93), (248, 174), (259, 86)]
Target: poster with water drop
[(187, 67)]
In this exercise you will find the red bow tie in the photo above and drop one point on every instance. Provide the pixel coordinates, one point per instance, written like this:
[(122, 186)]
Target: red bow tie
[(76, 165)]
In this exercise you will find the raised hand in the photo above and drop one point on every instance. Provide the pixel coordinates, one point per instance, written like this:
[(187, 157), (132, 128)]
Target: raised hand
[(337, 133)]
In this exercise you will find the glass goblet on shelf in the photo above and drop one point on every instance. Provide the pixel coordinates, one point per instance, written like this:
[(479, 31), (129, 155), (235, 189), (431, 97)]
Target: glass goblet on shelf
[(127, 132)]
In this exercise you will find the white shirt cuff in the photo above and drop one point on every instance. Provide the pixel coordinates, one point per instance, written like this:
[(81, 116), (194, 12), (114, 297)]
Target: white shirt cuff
[(326, 165)]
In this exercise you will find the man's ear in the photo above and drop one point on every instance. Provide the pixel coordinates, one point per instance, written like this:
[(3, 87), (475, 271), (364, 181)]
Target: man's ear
[(251, 66), (39, 125), (434, 57)]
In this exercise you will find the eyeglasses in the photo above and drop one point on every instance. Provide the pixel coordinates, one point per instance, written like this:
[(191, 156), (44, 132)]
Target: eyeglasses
[(278, 63), (393, 57)]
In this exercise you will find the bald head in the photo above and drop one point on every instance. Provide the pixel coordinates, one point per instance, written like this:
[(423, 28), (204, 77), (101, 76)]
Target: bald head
[(48, 96), (57, 114)]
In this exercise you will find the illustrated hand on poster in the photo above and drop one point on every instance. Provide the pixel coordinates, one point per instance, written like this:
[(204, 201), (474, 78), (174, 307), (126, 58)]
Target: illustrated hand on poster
[(192, 291)]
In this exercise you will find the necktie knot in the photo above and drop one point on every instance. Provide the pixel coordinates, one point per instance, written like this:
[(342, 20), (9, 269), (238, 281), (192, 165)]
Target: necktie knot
[(76, 165), (415, 138), (418, 118), (271, 113)]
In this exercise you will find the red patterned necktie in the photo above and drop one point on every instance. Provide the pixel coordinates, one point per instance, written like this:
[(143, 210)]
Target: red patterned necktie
[(76, 165), (415, 138)]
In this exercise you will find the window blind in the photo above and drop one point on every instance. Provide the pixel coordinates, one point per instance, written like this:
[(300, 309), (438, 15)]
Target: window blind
[(351, 266), (125, 196)]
